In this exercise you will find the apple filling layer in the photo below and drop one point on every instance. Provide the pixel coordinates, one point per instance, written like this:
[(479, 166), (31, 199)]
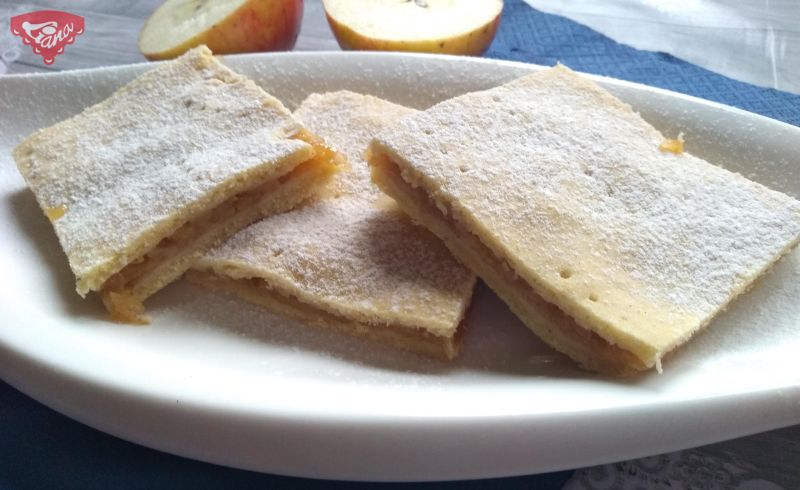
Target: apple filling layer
[(124, 292), (260, 292), (544, 318)]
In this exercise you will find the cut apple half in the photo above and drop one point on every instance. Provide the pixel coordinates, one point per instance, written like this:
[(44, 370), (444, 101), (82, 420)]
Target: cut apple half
[(432, 26), (225, 26)]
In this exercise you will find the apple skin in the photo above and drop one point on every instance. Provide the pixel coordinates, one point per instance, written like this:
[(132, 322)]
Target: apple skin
[(473, 43), (258, 25)]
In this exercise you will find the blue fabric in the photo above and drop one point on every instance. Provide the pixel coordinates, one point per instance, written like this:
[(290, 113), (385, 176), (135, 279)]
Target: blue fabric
[(528, 35), (41, 449)]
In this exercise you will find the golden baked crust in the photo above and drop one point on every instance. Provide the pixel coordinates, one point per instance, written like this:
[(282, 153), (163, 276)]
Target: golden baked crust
[(176, 148), (563, 185), (258, 291), (545, 319), (351, 253), (124, 292)]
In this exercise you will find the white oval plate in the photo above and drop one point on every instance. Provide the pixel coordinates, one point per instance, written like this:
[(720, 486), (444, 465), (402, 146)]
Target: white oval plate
[(219, 380)]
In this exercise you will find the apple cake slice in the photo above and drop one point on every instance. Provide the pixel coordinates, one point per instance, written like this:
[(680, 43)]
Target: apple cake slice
[(139, 185), (556, 193), (349, 260)]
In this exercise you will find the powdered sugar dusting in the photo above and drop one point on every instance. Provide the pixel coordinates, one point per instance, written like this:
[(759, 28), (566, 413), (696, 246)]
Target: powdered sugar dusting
[(570, 183), (353, 252), (348, 121), (180, 138)]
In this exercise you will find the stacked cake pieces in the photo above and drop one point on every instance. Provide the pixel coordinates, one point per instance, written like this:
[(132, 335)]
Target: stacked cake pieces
[(350, 260), (558, 196), (138, 186)]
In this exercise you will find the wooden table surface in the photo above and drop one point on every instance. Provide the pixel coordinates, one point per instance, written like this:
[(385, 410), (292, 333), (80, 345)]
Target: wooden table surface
[(112, 30)]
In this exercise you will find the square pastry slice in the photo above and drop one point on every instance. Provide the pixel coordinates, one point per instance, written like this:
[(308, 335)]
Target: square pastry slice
[(140, 184), (556, 193), (349, 260)]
